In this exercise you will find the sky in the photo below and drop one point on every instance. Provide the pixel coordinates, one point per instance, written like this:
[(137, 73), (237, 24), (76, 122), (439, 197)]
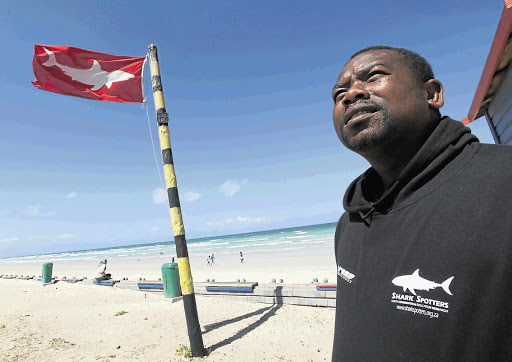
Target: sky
[(247, 86)]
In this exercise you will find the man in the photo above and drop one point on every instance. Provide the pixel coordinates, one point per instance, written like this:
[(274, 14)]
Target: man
[(424, 249)]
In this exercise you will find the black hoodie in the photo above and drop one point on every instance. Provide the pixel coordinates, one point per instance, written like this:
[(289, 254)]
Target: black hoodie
[(425, 271)]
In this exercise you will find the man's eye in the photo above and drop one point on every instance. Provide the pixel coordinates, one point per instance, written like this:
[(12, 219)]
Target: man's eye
[(339, 95), (374, 75)]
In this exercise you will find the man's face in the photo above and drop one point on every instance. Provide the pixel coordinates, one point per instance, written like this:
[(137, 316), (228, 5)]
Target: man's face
[(378, 102)]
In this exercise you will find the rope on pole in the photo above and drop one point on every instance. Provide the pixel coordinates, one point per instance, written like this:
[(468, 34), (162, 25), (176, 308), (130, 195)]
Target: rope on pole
[(187, 286)]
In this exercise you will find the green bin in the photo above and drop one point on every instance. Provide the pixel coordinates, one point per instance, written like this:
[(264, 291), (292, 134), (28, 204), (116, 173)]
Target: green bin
[(171, 280), (47, 272)]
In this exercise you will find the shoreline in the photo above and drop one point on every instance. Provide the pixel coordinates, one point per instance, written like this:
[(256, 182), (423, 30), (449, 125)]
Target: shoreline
[(292, 269)]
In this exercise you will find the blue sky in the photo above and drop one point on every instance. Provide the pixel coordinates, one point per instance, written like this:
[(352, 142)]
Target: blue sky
[(247, 86)]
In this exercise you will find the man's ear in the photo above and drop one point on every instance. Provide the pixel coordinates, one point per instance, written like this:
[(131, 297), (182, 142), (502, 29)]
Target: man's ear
[(434, 90)]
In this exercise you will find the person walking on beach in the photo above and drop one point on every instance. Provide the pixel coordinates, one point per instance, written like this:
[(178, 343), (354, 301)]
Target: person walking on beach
[(213, 259), (241, 257), (424, 248)]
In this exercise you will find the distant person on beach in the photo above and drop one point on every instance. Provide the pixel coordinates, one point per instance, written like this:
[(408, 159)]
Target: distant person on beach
[(241, 257), (209, 260), (424, 248), (213, 259), (100, 271)]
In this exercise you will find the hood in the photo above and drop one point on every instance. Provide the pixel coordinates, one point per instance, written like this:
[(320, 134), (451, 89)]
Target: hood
[(446, 141)]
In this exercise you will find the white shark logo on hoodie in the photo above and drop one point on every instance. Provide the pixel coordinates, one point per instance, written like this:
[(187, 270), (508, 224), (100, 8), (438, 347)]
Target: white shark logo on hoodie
[(414, 281), (94, 76)]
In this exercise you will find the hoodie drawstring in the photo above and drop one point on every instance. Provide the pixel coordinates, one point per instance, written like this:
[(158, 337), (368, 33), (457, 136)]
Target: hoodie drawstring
[(367, 218), (383, 205)]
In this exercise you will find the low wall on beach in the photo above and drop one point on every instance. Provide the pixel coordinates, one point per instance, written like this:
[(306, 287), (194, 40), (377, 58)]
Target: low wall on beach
[(275, 293), (297, 294)]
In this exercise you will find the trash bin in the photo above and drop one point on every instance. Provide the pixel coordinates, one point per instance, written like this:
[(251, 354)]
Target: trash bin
[(171, 280), (47, 272)]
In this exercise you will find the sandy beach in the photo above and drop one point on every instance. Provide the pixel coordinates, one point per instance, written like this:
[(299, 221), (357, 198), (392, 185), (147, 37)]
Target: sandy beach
[(65, 321)]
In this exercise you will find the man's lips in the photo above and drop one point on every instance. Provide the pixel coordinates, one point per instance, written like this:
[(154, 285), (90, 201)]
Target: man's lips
[(357, 113)]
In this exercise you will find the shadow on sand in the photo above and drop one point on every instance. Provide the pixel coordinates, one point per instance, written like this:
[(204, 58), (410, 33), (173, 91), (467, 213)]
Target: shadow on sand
[(267, 313)]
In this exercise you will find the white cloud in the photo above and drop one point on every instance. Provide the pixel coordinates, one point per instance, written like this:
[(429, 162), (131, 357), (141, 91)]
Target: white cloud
[(155, 228), (8, 240), (191, 196), (37, 238), (220, 223), (71, 195), (250, 219), (3, 212), (231, 187), (34, 210), (238, 220), (64, 236), (159, 196)]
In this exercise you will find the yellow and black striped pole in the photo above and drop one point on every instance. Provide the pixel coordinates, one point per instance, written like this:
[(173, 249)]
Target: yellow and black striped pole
[(187, 286)]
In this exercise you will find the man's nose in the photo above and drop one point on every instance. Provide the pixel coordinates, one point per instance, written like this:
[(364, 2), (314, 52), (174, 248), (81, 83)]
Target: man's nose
[(355, 93)]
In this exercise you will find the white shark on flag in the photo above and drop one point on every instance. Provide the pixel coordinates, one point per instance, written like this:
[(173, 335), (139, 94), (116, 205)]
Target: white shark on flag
[(87, 74), (94, 76)]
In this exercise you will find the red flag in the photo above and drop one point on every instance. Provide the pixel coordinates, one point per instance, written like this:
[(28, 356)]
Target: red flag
[(87, 74)]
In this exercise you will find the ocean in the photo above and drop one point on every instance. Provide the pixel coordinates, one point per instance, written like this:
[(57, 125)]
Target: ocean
[(303, 240)]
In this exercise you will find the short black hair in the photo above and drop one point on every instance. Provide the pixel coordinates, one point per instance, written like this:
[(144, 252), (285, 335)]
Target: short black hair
[(421, 69)]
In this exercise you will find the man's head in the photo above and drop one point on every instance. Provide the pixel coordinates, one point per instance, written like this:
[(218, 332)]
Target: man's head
[(386, 98)]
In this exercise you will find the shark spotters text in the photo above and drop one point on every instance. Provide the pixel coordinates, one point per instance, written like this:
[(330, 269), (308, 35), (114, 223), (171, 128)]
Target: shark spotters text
[(420, 299)]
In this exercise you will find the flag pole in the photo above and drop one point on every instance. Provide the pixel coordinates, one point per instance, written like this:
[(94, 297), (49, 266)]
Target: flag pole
[(187, 286)]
